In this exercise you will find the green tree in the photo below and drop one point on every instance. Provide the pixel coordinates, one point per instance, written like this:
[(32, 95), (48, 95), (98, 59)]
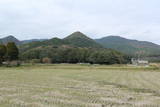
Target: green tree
[(12, 51), (3, 52)]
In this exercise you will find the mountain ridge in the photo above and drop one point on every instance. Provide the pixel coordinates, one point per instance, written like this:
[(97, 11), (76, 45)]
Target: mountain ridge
[(32, 40), (10, 38), (78, 39), (129, 46)]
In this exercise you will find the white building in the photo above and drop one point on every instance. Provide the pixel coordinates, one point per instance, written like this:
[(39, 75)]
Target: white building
[(139, 62)]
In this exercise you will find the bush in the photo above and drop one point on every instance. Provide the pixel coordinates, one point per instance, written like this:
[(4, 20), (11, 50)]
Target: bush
[(34, 61), (12, 63), (46, 60)]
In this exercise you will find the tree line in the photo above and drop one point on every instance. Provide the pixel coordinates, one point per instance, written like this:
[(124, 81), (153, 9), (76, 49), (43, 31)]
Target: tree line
[(75, 55), (51, 54), (8, 52)]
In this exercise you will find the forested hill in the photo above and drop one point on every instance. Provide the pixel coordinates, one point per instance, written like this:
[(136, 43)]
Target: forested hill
[(81, 40), (75, 48), (10, 38), (76, 39), (131, 47)]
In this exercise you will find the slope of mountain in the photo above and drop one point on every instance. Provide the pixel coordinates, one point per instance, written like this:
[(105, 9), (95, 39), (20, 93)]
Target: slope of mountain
[(32, 40), (54, 42), (76, 39), (131, 47), (10, 39), (81, 40)]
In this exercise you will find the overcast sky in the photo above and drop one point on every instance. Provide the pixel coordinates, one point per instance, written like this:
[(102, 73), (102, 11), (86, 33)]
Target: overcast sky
[(133, 19)]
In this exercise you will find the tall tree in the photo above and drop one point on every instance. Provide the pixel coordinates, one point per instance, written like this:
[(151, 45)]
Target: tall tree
[(3, 52), (12, 51)]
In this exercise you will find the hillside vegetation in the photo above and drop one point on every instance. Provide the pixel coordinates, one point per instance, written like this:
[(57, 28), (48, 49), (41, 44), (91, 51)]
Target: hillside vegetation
[(75, 55), (78, 39), (76, 48), (130, 47), (112, 44), (81, 40)]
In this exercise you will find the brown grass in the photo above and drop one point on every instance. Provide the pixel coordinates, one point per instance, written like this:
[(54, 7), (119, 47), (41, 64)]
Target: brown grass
[(79, 86)]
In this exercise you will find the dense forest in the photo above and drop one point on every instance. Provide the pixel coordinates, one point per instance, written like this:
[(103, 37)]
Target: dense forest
[(74, 55), (75, 48)]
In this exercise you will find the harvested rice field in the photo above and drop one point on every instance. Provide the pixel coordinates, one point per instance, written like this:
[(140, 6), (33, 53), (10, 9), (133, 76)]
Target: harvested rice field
[(79, 86)]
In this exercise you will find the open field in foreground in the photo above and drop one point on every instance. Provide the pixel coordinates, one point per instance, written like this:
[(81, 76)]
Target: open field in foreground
[(79, 86)]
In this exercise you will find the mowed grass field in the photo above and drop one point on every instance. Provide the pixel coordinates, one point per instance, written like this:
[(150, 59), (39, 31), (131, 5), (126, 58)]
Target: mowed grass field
[(79, 86)]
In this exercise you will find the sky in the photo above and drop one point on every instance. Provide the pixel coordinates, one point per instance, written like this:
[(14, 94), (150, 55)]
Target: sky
[(29, 19)]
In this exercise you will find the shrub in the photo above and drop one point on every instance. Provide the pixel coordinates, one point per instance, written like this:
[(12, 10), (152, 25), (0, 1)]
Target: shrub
[(34, 61), (46, 60), (12, 63)]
